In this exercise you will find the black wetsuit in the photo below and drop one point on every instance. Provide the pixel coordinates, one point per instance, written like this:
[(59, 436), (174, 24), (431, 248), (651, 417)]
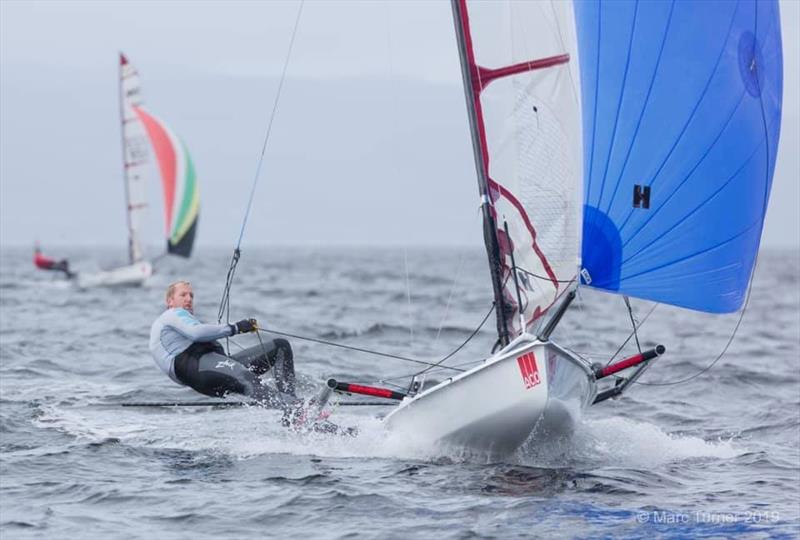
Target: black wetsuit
[(205, 368), (187, 350)]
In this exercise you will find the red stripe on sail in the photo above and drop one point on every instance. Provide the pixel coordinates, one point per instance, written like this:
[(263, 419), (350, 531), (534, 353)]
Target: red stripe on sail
[(482, 77), (518, 205), (167, 163)]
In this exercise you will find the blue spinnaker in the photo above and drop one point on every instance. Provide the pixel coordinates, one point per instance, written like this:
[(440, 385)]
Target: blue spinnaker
[(681, 118)]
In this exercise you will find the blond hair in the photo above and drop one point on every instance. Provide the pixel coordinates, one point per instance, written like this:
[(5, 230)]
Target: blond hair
[(173, 286)]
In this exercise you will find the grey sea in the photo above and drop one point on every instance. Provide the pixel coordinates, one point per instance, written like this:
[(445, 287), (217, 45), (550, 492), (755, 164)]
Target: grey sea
[(691, 452)]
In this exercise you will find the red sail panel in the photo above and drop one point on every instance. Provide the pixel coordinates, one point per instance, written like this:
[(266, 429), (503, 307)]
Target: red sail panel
[(167, 162)]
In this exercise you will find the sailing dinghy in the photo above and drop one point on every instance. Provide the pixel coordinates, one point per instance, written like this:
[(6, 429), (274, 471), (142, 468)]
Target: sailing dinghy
[(646, 175), (142, 131)]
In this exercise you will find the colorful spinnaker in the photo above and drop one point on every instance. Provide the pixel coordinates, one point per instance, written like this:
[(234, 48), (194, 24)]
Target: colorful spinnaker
[(141, 131), (179, 182)]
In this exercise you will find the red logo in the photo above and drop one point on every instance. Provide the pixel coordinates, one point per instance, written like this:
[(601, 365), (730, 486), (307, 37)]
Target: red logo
[(529, 370)]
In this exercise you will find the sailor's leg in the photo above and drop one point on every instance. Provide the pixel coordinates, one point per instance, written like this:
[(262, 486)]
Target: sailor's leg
[(276, 353), (63, 266), (215, 375)]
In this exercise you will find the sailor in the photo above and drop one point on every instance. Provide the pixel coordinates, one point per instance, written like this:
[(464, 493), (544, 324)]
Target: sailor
[(187, 351), (46, 263)]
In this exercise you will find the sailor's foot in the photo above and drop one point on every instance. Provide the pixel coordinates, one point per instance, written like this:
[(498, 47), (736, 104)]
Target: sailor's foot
[(329, 428), (294, 416)]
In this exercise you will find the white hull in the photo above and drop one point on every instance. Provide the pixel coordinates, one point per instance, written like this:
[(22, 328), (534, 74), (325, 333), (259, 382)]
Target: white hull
[(133, 275), (494, 407)]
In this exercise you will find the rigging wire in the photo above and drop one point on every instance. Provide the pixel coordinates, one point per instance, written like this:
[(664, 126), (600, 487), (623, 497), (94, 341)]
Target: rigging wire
[(438, 365), (633, 322), (613, 356), (719, 357), (450, 295), (224, 305), (430, 365), (351, 348), (409, 310), (545, 278), (469, 338)]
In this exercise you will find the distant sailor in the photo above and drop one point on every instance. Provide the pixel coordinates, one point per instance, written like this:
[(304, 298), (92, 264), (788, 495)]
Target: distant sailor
[(187, 351), (46, 263)]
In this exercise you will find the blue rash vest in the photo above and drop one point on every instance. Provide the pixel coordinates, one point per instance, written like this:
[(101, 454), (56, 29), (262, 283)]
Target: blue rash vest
[(174, 331)]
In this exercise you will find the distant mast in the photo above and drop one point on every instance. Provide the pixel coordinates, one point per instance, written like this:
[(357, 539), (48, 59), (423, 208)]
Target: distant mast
[(134, 156)]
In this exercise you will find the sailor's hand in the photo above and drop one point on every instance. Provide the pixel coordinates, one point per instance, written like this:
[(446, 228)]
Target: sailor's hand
[(246, 325)]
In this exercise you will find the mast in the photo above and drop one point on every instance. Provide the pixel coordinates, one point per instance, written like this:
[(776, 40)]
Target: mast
[(469, 73), (134, 155), (125, 95), (122, 62)]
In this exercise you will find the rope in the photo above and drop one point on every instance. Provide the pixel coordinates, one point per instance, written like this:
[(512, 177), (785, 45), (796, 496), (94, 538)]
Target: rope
[(469, 338), (724, 350), (438, 365), (430, 365), (224, 305), (271, 120), (351, 348)]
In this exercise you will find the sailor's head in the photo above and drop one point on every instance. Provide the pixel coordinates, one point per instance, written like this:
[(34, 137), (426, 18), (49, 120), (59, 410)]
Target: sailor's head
[(180, 295)]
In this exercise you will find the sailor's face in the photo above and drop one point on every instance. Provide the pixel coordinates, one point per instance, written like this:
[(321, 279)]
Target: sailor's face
[(182, 297)]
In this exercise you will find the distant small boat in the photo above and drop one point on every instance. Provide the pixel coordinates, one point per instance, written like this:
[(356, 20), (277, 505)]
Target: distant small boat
[(43, 262), (140, 132)]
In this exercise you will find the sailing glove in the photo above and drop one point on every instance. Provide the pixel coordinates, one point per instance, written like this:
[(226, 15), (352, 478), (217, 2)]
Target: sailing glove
[(246, 325)]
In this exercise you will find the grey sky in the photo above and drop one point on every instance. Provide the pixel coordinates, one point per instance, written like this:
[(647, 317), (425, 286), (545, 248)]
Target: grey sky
[(370, 134)]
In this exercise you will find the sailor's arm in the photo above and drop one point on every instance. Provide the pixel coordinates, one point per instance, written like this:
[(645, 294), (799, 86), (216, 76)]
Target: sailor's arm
[(187, 325)]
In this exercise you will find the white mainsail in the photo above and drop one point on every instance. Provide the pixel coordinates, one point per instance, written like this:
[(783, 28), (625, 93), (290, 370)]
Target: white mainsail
[(522, 57), (135, 156)]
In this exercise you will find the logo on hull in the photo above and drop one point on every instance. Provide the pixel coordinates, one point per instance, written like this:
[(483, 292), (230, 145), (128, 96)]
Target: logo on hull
[(529, 370)]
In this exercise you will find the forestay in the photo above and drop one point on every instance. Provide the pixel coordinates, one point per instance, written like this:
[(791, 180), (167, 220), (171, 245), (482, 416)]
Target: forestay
[(521, 58), (681, 116)]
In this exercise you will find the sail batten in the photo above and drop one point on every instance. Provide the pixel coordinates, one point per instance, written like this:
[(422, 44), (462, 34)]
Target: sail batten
[(486, 75), (679, 146)]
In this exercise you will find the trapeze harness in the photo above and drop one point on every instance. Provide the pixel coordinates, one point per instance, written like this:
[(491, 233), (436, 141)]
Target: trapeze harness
[(187, 351)]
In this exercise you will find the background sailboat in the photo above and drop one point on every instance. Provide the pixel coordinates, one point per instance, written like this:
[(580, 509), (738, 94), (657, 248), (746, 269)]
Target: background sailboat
[(142, 131)]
